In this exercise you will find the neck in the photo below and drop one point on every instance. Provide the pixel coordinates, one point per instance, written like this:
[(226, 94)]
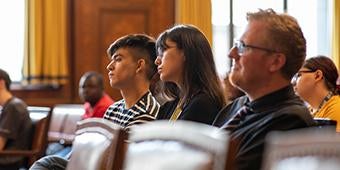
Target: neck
[(267, 88), (4, 96), (317, 97), (133, 93)]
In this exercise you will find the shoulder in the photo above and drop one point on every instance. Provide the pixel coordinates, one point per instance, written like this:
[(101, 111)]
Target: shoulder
[(331, 109), (148, 105), (105, 100), (16, 104), (117, 104), (229, 110), (334, 102), (202, 99)]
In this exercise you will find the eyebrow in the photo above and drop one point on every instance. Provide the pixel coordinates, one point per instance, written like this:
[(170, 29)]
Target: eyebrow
[(114, 56)]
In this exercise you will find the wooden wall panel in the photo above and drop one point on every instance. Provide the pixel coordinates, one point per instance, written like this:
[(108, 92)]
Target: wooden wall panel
[(96, 27), (93, 26)]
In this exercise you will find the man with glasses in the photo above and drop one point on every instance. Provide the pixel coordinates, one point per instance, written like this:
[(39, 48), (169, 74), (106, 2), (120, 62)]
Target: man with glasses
[(265, 58)]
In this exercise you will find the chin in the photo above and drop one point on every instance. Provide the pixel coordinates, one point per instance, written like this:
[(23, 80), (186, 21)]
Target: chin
[(163, 78)]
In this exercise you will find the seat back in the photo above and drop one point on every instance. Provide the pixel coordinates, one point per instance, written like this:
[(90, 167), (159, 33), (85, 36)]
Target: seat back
[(95, 146), (303, 149), (64, 122), (176, 145), (40, 117), (325, 123)]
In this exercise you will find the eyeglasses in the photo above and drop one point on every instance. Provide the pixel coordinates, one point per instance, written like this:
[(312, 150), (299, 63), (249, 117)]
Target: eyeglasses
[(299, 73), (241, 47)]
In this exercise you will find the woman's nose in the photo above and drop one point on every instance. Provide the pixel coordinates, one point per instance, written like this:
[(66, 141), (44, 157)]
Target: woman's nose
[(158, 60)]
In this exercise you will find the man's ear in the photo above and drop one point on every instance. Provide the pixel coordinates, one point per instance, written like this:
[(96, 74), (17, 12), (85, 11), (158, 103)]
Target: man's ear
[(277, 62), (140, 65)]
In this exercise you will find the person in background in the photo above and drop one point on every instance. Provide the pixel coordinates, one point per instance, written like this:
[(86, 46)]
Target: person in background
[(230, 91), (15, 124), (315, 83), (131, 70), (268, 53), (91, 92), (96, 101), (187, 70)]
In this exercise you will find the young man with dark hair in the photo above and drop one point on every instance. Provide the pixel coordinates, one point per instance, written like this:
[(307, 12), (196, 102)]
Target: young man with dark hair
[(130, 70)]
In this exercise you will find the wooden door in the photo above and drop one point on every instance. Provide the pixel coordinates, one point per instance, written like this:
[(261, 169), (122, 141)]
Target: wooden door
[(97, 23)]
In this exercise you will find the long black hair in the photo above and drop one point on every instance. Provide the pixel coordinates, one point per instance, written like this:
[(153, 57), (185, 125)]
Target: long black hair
[(199, 67)]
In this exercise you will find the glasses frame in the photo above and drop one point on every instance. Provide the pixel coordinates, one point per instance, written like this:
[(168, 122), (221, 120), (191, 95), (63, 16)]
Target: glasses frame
[(241, 47), (299, 73)]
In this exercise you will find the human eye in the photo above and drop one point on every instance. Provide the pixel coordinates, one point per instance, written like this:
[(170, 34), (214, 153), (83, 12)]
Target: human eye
[(240, 46), (298, 75), (117, 58)]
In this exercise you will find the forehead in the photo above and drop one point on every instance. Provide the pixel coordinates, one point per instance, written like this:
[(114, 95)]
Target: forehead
[(254, 31), (124, 52), (88, 80)]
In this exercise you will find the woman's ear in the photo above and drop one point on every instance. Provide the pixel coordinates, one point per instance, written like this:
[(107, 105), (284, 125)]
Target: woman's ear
[(318, 75)]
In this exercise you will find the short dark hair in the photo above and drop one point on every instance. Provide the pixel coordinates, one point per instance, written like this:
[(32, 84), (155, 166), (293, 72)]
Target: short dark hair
[(4, 76), (142, 46), (98, 77)]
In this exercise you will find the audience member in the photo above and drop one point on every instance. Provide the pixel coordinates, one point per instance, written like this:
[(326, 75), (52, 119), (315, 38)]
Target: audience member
[(15, 124), (130, 70), (96, 101), (315, 83), (269, 52), (186, 66), (91, 92)]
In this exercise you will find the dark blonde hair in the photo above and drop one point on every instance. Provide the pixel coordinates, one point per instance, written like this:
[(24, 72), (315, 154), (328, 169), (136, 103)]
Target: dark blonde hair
[(284, 35), (199, 66)]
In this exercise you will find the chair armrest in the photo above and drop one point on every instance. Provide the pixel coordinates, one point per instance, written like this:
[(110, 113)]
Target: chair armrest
[(18, 153)]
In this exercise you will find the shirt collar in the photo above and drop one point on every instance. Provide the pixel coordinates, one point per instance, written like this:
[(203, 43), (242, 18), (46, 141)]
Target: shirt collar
[(271, 99)]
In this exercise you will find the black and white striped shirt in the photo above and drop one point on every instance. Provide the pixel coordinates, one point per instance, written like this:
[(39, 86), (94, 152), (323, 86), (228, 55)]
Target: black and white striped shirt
[(146, 109)]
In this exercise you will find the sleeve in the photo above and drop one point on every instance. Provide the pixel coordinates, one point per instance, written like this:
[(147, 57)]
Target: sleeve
[(11, 121)]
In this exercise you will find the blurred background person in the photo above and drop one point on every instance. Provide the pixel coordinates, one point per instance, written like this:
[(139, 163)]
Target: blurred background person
[(15, 124), (315, 83), (230, 91), (91, 92), (96, 101)]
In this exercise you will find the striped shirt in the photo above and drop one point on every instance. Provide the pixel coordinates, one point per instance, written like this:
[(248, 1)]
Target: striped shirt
[(146, 109)]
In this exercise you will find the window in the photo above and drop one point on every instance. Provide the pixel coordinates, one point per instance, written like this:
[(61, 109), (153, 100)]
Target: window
[(12, 13), (229, 19)]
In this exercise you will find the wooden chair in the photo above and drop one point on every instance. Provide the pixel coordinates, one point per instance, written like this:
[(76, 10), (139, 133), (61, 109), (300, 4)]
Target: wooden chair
[(303, 149), (40, 117), (176, 145), (64, 122), (96, 145)]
